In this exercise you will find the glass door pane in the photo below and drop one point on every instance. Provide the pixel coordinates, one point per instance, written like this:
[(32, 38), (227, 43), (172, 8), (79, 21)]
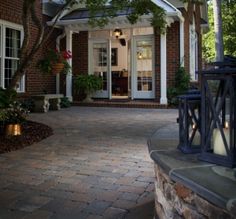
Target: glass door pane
[(144, 78), (100, 65)]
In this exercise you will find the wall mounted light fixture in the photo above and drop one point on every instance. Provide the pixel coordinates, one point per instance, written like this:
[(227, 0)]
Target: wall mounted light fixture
[(117, 32)]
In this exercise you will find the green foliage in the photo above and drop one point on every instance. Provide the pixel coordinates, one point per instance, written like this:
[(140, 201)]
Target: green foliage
[(139, 8), (65, 103), (182, 81), (14, 114), (11, 111), (7, 97), (229, 31), (87, 83), (2, 115), (52, 57), (229, 26), (27, 104), (208, 47), (172, 94)]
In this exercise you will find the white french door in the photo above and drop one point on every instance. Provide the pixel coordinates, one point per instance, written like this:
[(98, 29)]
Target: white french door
[(99, 64), (143, 67)]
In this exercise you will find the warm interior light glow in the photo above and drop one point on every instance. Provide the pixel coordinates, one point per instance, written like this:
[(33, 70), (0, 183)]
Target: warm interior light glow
[(226, 124), (194, 126), (140, 56)]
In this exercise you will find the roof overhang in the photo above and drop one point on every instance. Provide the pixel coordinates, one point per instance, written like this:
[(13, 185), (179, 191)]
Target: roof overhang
[(75, 21)]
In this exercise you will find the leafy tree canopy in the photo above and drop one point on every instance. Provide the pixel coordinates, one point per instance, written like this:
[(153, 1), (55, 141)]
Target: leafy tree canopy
[(229, 31), (109, 8)]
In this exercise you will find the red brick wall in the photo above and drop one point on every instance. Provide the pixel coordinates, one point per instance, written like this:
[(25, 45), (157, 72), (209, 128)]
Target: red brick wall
[(157, 66), (36, 82), (173, 59), (11, 10), (80, 53), (79, 57), (173, 47), (39, 82)]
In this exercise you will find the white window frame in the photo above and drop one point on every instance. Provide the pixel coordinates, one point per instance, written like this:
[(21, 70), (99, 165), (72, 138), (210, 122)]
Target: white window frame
[(193, 51), (3, 25)]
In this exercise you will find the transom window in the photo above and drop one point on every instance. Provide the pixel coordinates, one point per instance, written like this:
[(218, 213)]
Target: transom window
[(10, 38)]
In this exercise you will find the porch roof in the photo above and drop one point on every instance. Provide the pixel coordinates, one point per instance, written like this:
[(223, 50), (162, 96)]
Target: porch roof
[(83, 13), (77, 19)]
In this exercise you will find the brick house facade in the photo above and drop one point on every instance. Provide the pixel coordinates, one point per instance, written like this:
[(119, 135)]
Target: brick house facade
[(79, 39), (10, 19)]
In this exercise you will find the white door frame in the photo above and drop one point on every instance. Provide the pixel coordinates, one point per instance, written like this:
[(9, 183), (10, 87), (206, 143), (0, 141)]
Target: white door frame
[(108, 93), (135, 94)]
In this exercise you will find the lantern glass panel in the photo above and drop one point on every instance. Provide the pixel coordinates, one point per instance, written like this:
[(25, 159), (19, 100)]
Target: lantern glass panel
[(218, 117)]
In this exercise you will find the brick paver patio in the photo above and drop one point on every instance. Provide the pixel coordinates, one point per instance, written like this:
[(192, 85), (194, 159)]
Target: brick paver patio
[(96, 165)]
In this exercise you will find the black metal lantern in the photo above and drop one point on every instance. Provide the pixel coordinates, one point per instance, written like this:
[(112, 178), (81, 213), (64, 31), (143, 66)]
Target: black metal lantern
[(218, 116), (117, 32), (189, 122)]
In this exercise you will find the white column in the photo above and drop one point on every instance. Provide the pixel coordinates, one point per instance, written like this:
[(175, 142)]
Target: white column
[(69, 75), (181, 42), (58, 40), (163, 99)]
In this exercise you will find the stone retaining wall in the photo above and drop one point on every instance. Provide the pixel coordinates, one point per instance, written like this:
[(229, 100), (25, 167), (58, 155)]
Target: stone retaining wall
[(173, 200)]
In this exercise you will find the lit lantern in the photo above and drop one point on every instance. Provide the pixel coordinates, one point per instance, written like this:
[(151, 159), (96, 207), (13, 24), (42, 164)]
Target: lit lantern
[(189, 123), (117, 32), (218, 116)]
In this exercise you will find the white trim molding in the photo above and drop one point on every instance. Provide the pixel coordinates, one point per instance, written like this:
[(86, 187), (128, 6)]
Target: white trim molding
[(163, 99), (181, 42), (69, 75), (13, 26), (58, 41)]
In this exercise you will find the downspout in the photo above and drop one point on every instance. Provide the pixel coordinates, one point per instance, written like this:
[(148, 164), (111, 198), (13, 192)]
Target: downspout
[(58, 41)]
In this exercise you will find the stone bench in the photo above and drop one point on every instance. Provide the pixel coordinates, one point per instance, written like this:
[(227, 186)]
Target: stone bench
[(44, 102)]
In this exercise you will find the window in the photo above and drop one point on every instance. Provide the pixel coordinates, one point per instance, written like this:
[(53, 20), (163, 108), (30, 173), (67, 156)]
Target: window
[(103, 56), (10, 38)]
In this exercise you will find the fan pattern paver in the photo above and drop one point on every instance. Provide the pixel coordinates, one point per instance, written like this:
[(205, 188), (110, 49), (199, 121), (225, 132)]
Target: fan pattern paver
[(96, 165)]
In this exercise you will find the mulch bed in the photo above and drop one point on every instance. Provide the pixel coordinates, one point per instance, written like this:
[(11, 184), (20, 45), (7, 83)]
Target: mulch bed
[(32, 132)]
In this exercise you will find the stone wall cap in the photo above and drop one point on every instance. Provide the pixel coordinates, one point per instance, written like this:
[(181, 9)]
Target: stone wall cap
[(214, 183)]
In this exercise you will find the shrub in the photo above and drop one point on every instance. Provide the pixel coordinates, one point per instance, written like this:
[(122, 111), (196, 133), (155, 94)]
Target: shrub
[(7, 97), (14, 114), (182, 81), (65, 103), (87, 83)]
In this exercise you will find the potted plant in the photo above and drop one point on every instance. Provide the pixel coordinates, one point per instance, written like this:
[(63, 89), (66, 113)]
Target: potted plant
[(55, 62), (87, 84), (13, 117)]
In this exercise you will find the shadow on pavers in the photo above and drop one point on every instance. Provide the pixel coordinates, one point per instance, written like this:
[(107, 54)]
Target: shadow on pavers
[(143, 211)]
